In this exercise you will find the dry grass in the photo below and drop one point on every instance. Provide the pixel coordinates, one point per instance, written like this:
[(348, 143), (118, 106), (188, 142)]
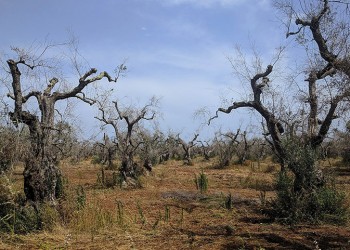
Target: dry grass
[(168, 212)]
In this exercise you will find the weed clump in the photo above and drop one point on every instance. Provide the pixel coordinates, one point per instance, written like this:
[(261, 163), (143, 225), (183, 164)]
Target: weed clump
[(15, 218), (96, 159), (324, 204), (229, 202), (303, 192), (201, 182)]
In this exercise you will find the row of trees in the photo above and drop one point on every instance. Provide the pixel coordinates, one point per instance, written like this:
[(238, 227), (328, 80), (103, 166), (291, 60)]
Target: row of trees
[(146, 148)]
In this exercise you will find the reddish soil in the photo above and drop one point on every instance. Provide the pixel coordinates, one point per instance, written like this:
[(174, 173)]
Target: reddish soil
[(168, 212)]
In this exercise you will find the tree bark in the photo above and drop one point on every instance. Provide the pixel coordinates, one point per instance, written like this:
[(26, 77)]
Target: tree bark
[(42, 180)]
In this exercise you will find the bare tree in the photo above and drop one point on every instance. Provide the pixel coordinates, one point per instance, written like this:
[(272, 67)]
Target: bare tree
[(187, 147), (244, 147), (206, 149), (170, 149), (41, 175), (126, 124), (226, 146), (108, 151), (63, 140), (152, 148), (327, 93)]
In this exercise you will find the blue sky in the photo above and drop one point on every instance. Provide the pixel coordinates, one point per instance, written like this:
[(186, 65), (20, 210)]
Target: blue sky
[(175, 49)]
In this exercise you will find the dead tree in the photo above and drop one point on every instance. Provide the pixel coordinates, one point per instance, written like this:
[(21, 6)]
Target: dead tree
[(244, 147), (41, 175), (331, 69), (206, 150), (126, 124), (63, 140), (151, 147), (274, 126), (108, 151), (170, 150), (187, 147), (226, 146)]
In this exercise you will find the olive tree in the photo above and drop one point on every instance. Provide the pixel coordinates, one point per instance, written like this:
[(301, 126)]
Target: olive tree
[(127, 127), (152, 148), (206, 149), (34, 107), (322, 28), (225, 146), (187, 147)]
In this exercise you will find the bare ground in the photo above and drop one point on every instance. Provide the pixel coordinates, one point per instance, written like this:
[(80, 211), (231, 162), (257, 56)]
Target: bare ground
[(168, 212)]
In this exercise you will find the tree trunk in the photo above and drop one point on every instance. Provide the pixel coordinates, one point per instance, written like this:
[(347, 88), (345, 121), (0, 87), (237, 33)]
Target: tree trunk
[(42, 180), (187, 157), (128, 167), (42, 177), (130, 171), (309, 180)]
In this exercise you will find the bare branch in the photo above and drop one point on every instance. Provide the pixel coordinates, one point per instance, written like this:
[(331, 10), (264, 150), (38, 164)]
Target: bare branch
[(294, 33), (250, 104), (26, 64), (103, 119), (50, 86), (83, 98), (11, 96), (30, 94), (83, 82), (230, 108), (232, 136), (314, 25)]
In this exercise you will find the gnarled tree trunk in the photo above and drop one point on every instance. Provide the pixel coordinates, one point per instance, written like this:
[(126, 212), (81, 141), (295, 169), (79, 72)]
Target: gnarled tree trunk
[(42, 177)]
